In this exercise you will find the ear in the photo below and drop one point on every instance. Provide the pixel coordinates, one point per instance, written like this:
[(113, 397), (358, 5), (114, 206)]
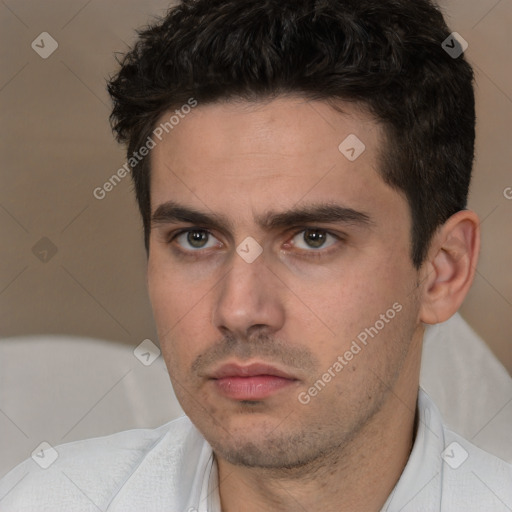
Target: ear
[(449, 269)]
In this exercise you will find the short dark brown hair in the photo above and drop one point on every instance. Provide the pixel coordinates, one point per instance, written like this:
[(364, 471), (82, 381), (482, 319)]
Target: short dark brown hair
[(385, 55)]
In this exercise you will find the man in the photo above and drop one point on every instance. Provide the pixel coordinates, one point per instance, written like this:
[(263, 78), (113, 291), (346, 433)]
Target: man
[(302, 171)]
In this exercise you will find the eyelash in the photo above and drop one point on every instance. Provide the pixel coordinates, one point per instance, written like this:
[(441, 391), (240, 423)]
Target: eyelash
[(196, 255)]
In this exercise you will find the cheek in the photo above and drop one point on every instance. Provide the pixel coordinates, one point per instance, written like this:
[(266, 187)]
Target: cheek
[(179, 316), (171, 298), (357, 299)]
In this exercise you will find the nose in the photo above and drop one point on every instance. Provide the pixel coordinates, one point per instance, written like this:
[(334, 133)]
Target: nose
[(249, 298)]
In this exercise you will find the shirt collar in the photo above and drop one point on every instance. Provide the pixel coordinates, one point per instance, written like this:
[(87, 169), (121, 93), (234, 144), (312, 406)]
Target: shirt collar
[(209, 499)]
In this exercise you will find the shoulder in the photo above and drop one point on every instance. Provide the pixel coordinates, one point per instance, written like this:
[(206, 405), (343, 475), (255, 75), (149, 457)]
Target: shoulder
[(89, 474), (446, 472), (474, 478)]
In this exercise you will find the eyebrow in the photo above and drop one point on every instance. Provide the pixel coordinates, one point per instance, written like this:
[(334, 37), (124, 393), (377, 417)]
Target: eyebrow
[(173, 212)]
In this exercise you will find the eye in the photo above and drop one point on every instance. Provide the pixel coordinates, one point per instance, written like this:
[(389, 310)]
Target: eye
[(313, 238), (195, 239)]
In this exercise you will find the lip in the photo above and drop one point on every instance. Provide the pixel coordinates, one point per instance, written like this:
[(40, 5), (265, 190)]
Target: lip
[(252, 382), (251, 370)]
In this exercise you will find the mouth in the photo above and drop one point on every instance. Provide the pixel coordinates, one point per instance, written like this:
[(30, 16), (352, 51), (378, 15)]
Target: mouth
[(251, 382)]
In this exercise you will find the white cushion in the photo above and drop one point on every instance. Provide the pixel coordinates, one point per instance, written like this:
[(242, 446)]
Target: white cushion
[(63, 388)]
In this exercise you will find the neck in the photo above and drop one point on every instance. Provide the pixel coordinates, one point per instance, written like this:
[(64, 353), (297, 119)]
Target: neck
[(357, 477)]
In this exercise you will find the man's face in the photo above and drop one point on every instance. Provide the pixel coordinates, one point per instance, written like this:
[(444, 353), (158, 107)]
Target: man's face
[(246, 335)]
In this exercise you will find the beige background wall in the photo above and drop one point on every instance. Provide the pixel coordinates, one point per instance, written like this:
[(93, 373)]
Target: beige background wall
[(57, 148)]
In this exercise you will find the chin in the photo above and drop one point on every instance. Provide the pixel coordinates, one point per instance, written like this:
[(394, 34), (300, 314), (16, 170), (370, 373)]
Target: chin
[(264, 445), (264, 455)]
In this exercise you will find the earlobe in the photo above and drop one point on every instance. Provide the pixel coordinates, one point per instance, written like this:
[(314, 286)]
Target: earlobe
[(450, 267)]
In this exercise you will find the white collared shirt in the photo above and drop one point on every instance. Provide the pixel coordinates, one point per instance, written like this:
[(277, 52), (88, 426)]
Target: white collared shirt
[(172, 468)]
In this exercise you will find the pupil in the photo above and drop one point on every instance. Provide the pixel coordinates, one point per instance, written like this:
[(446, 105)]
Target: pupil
[(315, 238), (196, 238)]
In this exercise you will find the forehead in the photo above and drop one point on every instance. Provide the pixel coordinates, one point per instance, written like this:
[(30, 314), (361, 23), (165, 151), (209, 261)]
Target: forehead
[(260, 156)]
